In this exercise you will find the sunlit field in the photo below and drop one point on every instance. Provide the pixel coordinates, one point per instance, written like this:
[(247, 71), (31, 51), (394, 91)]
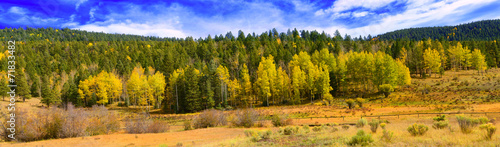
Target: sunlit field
[(315, 125)]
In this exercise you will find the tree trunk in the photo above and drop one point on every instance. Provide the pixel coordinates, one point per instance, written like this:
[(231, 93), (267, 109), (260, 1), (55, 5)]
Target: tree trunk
[(177, 99)]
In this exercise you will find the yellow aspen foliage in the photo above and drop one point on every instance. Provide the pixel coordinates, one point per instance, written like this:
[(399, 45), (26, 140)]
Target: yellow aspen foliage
[(478, 60), (432, 60)]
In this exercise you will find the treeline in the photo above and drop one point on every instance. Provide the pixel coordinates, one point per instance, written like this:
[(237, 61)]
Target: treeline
[(188, 75), (486, 30)]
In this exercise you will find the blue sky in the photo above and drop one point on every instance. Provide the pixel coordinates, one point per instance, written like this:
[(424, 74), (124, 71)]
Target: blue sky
[(198, 18)]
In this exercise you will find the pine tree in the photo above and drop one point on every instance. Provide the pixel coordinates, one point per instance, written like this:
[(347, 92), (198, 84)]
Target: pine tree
[(3, 86), (192, 88), (35, 87), (47, 92), (22, 88)]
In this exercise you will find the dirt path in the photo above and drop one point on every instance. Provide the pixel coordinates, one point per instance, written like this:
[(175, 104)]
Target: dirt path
[(198, 137)]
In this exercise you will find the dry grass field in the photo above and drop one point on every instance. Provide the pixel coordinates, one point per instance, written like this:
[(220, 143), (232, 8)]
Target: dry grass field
[(455, 92)]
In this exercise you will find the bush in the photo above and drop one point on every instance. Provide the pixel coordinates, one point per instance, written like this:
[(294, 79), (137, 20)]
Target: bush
[(490, 130), (345, 127), (387, 135), (361, 138), (209, 118), (386, 89), (306, 129), (334, 129), (350, 103), (266, 134), (361, 123), (254, 136), (187, 125), (257, 136), (289, 131), (141, 124), (280, 120), (374, 125), (382, 125), (440, 125), (245, 118), (440, 122), (360, 102), (102, 121), (483, 120), (466, 123), (54, 123), (316, 129), (417, 129), (440, 118)]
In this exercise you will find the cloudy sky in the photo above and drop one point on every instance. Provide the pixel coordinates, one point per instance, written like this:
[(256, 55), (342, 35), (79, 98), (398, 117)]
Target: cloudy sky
[(198, 18)]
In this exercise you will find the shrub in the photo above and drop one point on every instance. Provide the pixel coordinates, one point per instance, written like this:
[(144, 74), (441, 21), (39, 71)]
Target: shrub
[(490, 130), (158, 126), (361, 123), (324, 127), (374, 125), (334, 129), (289, 131), (386, 89), (257, 136), (254, 136), (440, 125), (209, 118), (350, 103), (417, 129), (306, 129), (345, 127), (361, 138), (440, 118), (466, 123), (316, 129), (141, 124), (280, 120), (483, 120), (440, 122), (59, 123), (245, 118), (387, 135), (75, 122), (102, 121), (266, 134), (187, 125), (360, 102), (382, 125)]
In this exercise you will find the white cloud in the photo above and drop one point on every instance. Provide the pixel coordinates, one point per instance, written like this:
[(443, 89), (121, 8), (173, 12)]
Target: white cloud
[(342, 5), (78, 3), (421, 13), (92, 12), (303, 6), (160, 30), (17, 10), (360, 14), (177, 20)]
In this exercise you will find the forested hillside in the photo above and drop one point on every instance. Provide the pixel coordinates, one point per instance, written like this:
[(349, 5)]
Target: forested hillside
[(487, 30), (188, 75)]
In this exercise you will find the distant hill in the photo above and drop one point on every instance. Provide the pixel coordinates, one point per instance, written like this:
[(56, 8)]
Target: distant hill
[(52, 34), (480, 30)]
